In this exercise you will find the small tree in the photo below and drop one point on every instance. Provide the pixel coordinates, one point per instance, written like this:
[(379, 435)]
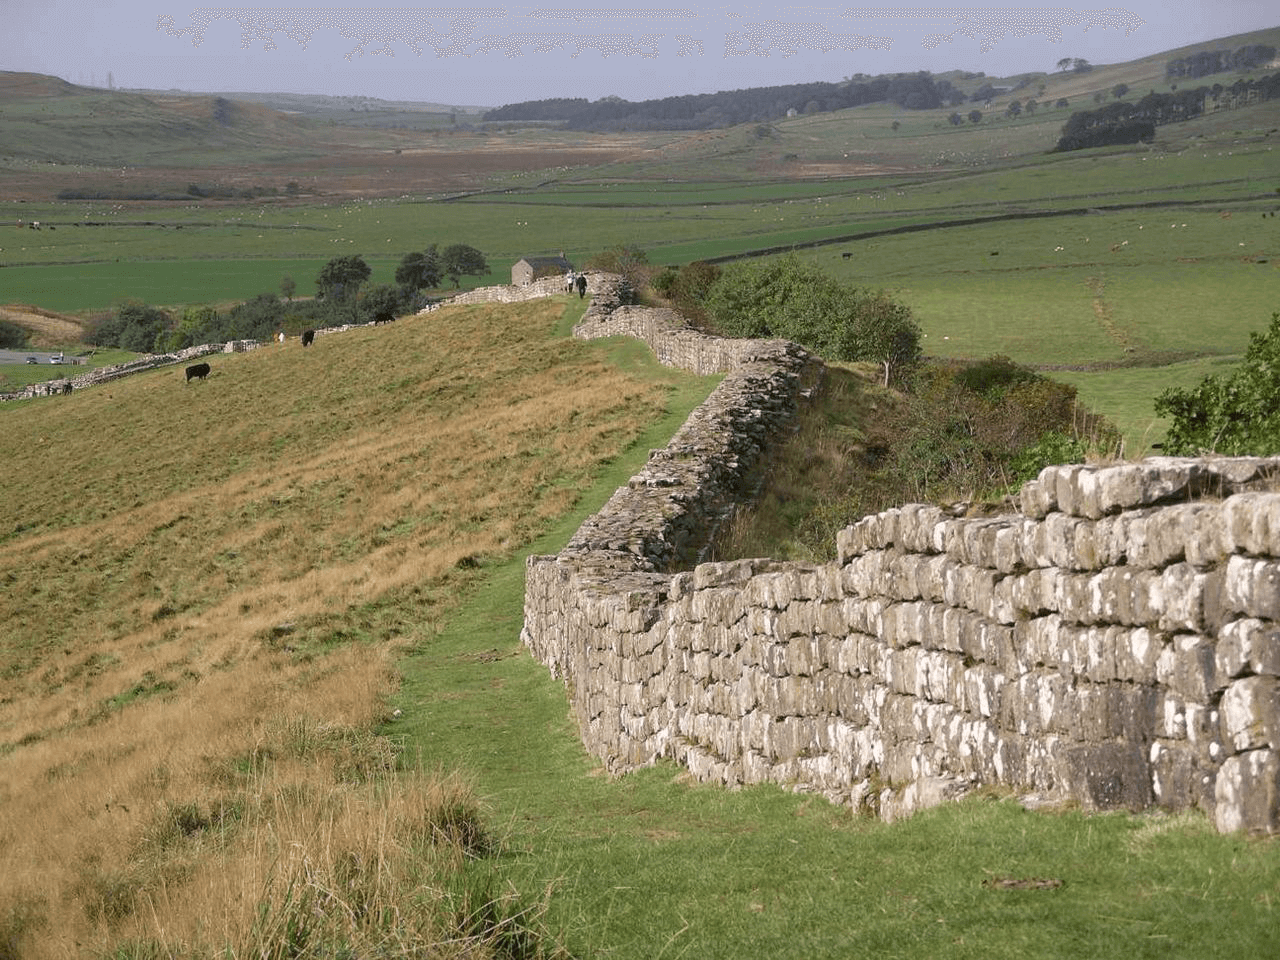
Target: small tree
[(975, 116), (380, 303), (341, 277), (631, 262), (956, 119), (288, 287), (1014, 109), (458, 259), (420, 271), (1119, 90)]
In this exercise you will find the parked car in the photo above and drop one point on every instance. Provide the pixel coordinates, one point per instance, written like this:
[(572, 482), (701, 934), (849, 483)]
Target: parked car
[(32, 360)]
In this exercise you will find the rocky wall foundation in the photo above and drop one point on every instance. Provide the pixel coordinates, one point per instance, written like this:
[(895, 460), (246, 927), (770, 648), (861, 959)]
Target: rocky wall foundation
[(1114, 643)]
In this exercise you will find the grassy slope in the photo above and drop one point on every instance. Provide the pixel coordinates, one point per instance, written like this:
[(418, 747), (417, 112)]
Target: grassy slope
[(651, 865), (352, 491)]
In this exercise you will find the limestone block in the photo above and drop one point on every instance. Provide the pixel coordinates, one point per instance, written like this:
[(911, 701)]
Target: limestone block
[(983, 688), (1137, 652), (864, 574), (721, 606), (1173, 774), (1181, 589), (1037, 497), (797, 619), (1247, 646), (1250, 714), (1036, 591), (1065, 490), (1251, 523), (1194, 672), (1247, 793), (1108, 776), (1055, 543), (1253, 587), (1132, 710)]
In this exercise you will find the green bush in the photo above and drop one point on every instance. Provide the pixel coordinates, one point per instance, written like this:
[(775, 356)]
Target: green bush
[(12, 336), (133, 326), (789, 299), (1237, 414)]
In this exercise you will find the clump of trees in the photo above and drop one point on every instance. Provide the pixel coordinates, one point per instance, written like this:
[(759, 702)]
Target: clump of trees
[(12, 336), (1206, 62), (1234, 414), (1131, 122), (789, 299)]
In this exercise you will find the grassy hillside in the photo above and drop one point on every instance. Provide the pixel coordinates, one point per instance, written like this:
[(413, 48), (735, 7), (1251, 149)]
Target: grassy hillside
[(214, 591), (206, 586)]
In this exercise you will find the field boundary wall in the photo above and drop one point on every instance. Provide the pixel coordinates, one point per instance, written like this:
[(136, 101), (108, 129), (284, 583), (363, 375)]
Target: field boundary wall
[(1113, 643)]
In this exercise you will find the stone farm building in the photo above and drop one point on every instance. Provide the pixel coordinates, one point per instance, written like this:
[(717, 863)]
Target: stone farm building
[(529, 269)]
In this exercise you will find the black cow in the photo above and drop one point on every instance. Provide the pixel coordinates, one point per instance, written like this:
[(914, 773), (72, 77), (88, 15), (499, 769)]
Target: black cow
[(200, 370), (66, 388), (383, 316), (308, 337), (582, 286)]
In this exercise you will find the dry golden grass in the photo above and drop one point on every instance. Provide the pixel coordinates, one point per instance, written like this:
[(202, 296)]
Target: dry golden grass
[(48, 329), (205, 587)]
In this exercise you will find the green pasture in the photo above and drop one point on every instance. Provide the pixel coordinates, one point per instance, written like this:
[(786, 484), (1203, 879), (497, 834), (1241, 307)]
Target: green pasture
[(1127, 394)]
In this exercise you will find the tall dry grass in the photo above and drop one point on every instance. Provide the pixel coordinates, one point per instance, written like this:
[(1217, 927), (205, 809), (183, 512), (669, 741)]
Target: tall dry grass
[(205, 590)]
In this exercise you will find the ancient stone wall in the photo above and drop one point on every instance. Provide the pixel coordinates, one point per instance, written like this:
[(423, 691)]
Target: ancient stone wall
[(1113, 643)]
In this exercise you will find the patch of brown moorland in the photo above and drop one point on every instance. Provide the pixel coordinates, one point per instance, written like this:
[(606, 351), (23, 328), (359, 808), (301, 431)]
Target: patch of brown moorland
[(48, 329), (205, 587)]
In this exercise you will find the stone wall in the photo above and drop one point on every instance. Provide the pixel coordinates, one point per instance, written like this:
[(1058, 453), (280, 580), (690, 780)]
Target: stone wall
[(1114, 643)]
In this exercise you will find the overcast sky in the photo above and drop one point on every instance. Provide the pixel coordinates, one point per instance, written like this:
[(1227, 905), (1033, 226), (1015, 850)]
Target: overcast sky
[(490, 55)]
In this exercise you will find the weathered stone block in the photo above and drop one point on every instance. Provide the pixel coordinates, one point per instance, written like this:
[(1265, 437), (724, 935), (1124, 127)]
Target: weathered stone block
[(1247, 793), (1108, 776), (1036, 498), (1253, 587), (1250, 714), (1245, 647), (1251, 523)]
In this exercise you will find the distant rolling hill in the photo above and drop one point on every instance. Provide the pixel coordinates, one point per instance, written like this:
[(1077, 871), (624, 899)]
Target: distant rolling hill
[(50, 120)]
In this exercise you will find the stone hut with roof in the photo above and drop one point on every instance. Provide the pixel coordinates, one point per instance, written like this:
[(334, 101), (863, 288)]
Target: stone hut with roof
[(528, 269)]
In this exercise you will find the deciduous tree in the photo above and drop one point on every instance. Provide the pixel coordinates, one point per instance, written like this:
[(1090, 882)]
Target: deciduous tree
[(341, 277)]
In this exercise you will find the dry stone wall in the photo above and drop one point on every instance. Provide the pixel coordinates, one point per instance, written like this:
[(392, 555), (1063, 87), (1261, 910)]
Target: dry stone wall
[(1113, 643)]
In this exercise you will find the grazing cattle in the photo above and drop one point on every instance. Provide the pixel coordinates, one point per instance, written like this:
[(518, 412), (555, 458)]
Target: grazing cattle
[(582, 286), (66, 388), (846, 255), (383, 316), (200, 370), (308, 337)]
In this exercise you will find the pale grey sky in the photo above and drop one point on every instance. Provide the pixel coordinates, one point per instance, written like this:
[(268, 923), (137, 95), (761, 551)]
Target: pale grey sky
[(489, 55)]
